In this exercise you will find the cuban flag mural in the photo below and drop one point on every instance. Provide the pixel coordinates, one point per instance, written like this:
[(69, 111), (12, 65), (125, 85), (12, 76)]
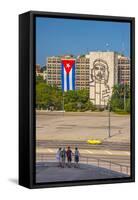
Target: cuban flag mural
[(68, 74)]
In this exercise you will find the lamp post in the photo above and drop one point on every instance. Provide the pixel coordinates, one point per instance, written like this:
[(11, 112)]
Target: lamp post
[(63, 102), (79, 104), (109, 120), (124, 97), (124, 93)]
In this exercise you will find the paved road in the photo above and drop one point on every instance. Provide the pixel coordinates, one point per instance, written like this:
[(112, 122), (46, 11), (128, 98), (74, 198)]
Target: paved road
[(60, 113), (117, 152), (82, 144), (122, 158), (109, 151)]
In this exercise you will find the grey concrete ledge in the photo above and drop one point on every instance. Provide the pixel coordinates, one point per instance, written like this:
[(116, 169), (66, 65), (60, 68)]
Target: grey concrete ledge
[(50, 172)]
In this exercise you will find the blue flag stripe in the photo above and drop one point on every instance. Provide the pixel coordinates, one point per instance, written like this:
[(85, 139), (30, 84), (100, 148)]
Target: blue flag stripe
[(67, 81), (62, 77)]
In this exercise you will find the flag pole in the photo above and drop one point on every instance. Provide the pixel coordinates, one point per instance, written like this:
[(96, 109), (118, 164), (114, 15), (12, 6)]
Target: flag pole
[(63, 102), (124, 97)]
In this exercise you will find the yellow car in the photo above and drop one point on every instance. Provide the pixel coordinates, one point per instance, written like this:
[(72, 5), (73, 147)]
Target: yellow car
[(94, 141)]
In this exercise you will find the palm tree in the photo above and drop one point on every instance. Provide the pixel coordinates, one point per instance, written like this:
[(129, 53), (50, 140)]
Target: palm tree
[(120, 95)]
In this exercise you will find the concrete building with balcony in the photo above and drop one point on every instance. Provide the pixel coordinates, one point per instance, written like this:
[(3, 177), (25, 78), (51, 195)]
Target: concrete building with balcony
[(37, 69), (54, 71), (123, 70), (82, 72), (41, 71)]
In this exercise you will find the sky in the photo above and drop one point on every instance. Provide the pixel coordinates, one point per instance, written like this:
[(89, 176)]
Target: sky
[(55, 36)]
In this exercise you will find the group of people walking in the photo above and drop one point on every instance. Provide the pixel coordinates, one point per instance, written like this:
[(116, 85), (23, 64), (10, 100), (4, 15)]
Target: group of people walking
[(63, 155)]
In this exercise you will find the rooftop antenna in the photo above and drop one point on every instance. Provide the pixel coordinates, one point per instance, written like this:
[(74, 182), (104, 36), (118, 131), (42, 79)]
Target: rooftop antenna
[(87, 50), (107, 46), (123, 48)]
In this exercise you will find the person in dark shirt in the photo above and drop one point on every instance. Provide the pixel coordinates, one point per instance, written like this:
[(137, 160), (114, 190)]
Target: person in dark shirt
[(69, 156)]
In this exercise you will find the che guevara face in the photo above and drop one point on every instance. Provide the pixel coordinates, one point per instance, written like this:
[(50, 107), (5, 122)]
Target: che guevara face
[(99, 72)]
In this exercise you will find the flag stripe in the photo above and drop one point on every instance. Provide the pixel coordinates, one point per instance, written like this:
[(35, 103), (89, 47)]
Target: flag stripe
[(67, 81), (70, 80), (62, 74), (73, 77)]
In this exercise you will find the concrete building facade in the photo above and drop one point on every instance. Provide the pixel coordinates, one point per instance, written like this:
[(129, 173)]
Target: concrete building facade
[(54, 71), (82, 72), (41, 72), (124, 70), (37, 69)]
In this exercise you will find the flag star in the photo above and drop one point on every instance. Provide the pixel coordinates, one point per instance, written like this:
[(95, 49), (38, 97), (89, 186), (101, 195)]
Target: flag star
[(68, 65)]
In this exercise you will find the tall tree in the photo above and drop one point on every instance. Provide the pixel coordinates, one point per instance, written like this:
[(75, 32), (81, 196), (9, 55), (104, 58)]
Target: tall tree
[(120, 97)]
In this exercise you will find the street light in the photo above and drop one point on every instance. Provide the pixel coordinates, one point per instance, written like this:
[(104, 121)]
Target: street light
[(124, 97), (124, 93), (63, 102), (79, 104), (109, 120)]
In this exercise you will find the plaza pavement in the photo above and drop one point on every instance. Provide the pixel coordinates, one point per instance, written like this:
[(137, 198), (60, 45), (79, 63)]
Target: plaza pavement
[(50, 172), (82, 126)]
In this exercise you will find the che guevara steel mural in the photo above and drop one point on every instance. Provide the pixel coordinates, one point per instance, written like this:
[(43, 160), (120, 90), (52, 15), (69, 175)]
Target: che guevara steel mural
[(99, 77)]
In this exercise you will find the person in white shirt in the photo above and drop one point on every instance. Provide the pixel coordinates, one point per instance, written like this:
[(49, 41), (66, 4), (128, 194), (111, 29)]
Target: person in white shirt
[(58, 156)]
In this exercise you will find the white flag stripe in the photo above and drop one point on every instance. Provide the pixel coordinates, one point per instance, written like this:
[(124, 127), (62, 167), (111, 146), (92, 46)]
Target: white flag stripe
[(65, 80), (70, 80)]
